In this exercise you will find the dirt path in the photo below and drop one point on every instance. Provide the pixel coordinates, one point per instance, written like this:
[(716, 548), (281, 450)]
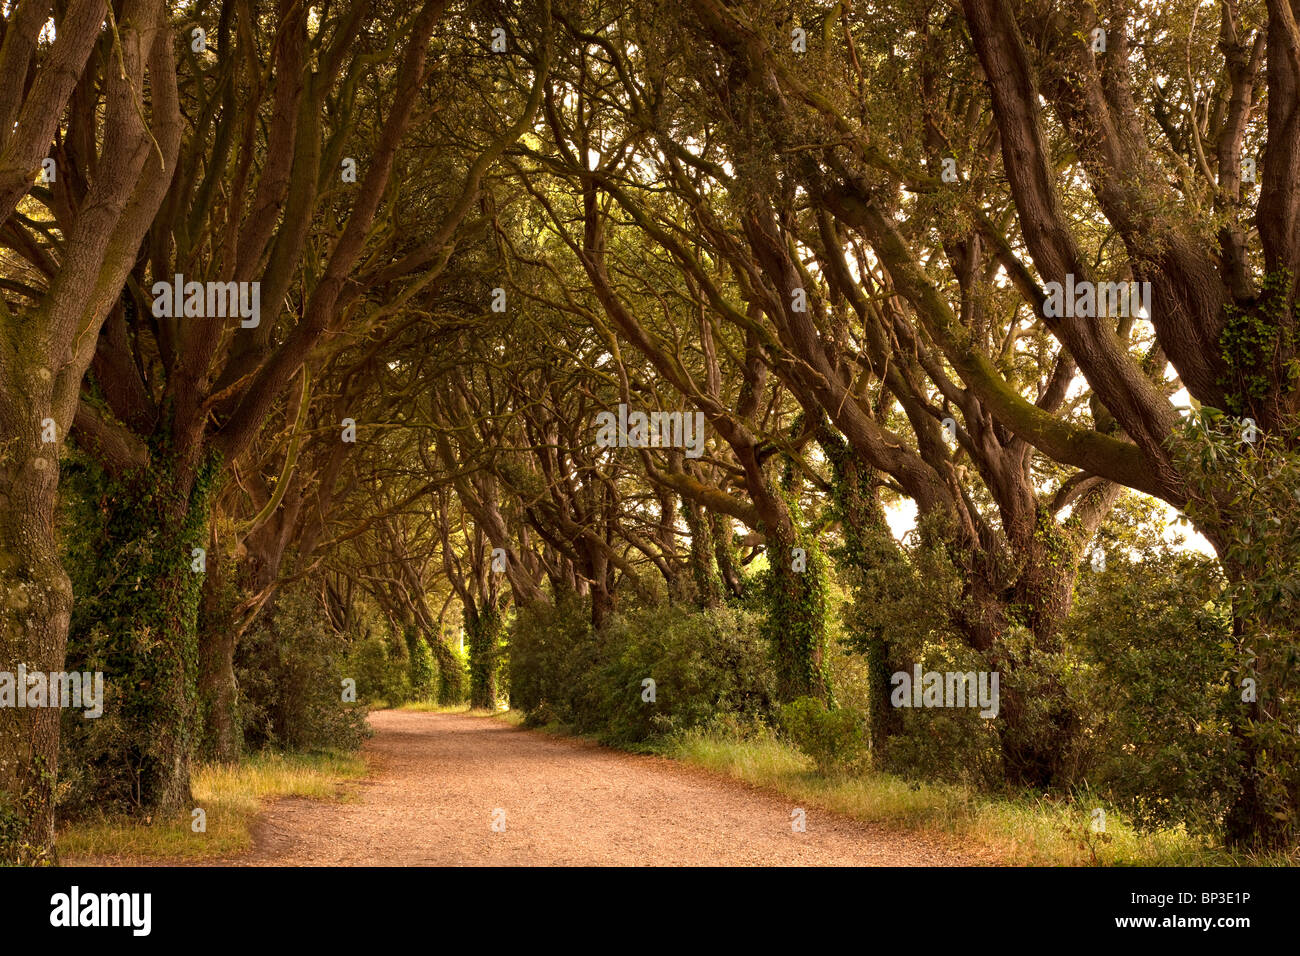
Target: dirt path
[(438, 778)]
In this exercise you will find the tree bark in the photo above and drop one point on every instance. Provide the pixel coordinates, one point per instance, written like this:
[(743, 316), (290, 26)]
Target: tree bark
[(34, 616)]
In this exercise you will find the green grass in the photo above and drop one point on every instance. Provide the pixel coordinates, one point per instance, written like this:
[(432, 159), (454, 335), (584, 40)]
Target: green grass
[(1023, 831), (231, 795), (427, 707)]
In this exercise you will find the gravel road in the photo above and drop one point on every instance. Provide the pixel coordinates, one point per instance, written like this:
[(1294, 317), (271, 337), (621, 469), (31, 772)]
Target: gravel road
[(441, 782)]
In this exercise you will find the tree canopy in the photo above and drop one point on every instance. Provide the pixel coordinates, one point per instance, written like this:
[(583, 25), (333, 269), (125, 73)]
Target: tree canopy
[(540, 323)]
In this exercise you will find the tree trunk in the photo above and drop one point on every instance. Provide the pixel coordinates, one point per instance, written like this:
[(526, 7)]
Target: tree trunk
[(34, 616), (221, 736), (796, 595), (796, 620), (44, 348), (725, 551), (703, 557), (602, 598), (451, 674), (146, 619), (868, 544), (1038, 744), (483, 629)]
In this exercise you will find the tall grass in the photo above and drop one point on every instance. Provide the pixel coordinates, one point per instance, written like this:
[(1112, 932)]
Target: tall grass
[(1023, 830), (230, 795)]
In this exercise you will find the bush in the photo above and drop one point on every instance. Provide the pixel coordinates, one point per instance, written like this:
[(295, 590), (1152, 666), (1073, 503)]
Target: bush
[(951, 744), (704, 664), (424, 670), (904, 600), (453, 671), (91, 773), (290, 667), (551, 647), (836, 740), (381, 667), (1156, 644)]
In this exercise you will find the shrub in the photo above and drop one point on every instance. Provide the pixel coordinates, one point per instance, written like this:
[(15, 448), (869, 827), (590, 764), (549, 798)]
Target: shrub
[(424, 670), (950, 744), (834, 739), (904, 600), (1156, 644), (453, 671), (549, 650), (704, 664), (290, 667), (380, 665), (91, 773)]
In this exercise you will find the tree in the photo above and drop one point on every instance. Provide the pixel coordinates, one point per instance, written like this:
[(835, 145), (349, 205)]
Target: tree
[(176, 399), (68, 244)]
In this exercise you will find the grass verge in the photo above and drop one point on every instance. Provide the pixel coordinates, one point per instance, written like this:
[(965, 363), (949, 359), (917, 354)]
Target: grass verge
[(230, 796), (1027, 830)]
